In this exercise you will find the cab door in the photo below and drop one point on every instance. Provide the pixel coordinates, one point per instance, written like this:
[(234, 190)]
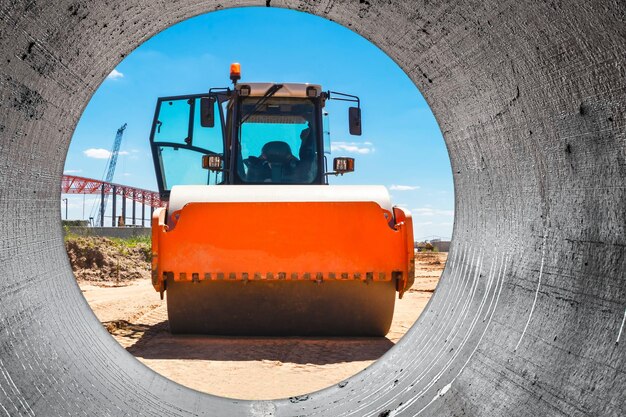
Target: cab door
[(178, 141)]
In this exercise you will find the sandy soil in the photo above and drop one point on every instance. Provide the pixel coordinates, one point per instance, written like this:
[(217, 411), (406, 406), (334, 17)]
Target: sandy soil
[(248, 368)]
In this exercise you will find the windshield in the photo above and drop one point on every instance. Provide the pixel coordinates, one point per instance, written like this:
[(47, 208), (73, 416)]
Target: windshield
[(277, 142)]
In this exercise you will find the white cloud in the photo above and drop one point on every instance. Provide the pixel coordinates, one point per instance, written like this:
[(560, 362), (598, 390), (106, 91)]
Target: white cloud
[(72, 171), (428, 211), (99, 153), (404, 187), (361, 148), (115, 75)]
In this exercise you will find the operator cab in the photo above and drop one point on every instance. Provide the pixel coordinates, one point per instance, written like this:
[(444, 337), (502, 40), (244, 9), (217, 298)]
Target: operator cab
[(255, 133), (276, 138)]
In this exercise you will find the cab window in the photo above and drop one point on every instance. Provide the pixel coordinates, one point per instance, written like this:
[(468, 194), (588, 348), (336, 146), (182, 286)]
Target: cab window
[(179, 142)]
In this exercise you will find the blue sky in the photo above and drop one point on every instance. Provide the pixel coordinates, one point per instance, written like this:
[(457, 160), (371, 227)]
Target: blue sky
[(401, 146)]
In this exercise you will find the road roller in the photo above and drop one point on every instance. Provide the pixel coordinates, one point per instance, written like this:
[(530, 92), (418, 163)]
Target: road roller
[(253, 241)]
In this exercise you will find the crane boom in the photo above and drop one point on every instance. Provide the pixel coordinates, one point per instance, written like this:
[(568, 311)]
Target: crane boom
[(111, 166)]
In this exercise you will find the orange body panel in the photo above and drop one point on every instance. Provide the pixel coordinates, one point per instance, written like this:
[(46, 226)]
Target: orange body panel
[(404, 222), (283, 241)]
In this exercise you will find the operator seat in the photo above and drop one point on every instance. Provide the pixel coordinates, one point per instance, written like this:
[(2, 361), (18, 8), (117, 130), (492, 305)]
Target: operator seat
[(282, 161), (277, 152)]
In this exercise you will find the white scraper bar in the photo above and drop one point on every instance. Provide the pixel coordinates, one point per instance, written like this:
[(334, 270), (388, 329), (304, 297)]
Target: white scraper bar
[(183, 194)]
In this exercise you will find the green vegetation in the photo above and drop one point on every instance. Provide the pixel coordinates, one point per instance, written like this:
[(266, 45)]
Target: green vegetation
[(142, 243), (113, 245), (68, 235), (123, 244), (132, 242)]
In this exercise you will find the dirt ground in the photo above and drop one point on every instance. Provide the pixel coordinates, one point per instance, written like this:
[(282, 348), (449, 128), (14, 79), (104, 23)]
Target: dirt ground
[(248, 368), (105, 261)]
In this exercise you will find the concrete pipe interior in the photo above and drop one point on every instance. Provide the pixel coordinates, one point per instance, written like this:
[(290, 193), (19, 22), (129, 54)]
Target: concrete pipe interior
[(528, 317)]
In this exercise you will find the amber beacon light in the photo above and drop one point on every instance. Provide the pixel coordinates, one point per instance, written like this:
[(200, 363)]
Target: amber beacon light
[(235, 72)]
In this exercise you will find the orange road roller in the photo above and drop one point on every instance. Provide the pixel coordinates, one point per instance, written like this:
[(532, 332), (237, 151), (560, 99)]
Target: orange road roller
[(253, 241)]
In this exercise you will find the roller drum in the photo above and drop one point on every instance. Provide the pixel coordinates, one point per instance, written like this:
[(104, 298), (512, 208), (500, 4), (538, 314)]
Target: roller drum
[(281, 308)]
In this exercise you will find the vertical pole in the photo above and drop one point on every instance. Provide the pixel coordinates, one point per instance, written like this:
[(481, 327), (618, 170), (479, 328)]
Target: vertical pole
[(143, 211), (114, 206), (133, 207), (102, 207), (123, 222)]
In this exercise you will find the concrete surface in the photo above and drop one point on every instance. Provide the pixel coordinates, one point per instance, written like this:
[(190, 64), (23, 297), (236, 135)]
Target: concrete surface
[(531, 99)]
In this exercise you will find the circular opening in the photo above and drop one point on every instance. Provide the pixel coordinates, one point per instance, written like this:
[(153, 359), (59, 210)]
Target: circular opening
[(190, 58)]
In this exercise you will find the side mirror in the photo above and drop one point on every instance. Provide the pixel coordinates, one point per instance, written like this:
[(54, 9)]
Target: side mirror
[(354, 116), (212, 162), (207, 112), (342, 165)]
